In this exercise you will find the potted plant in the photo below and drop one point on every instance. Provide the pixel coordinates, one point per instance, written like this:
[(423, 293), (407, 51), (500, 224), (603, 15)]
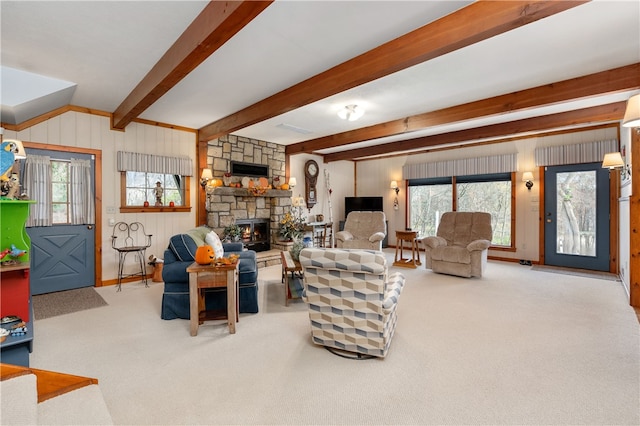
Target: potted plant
[(291, 226), (233, 232)]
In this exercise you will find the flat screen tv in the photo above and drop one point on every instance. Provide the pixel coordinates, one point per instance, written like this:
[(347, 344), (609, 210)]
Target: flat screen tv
[(362, 204)]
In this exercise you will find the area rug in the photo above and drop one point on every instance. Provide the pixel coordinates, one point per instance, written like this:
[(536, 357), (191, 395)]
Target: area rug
[(66, 302), (577, 272)]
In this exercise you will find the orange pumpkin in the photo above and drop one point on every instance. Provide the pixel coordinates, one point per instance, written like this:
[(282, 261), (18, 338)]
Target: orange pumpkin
[(215, 182), (285, 186), (204, 255)]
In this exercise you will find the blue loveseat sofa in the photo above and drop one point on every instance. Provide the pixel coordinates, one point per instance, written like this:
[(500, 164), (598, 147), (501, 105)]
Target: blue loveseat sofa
[(180, 254)]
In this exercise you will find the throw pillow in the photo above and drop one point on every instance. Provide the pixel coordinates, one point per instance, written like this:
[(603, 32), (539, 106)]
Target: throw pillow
[(213, 240)]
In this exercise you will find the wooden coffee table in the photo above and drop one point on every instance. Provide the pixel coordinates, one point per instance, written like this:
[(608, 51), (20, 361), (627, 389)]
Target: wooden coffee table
[(208, 276)]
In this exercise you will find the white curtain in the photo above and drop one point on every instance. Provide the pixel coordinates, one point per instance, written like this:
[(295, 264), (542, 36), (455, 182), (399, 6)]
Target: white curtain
[(137, 162), (462, 167), (37, 177), (589, 152), (81, 199)]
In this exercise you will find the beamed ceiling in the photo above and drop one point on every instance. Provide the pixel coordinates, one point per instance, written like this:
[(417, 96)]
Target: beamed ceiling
[(428, 73)]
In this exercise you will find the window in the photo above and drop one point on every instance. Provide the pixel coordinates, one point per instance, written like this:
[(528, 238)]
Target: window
[(427, 202), (141, 187), (153, 183), (60, 186), (157, 189), (493, 193)]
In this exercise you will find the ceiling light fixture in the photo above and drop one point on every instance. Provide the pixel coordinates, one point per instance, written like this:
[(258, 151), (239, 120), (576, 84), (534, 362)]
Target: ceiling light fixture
[(351, 112)]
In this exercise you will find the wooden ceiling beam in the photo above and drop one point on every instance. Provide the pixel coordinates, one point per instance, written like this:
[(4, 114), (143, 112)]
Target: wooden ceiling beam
[(478, 21), (601, 83), (600, 113), (214, 26)]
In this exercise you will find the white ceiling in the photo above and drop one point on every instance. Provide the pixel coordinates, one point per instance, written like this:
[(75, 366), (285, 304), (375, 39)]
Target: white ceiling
[(101, 50)]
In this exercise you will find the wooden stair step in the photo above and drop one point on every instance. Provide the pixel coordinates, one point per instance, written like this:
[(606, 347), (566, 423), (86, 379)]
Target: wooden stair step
[(50, 384)]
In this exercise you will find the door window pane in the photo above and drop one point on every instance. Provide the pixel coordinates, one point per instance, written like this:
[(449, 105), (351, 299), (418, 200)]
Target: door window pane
[(60, 187), (576, 213)]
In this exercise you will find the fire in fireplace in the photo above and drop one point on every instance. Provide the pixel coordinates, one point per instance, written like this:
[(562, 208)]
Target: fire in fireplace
[(255, 234)]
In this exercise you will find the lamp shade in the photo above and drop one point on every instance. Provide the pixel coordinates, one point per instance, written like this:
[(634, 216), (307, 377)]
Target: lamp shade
[(394, 184), (527, 177), (206, 174), (632, 113), (292, 182), (612, 160)]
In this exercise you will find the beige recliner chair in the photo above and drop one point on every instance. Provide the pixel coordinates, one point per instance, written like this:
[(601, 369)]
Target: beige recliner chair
[(363, 230), (461, 245)]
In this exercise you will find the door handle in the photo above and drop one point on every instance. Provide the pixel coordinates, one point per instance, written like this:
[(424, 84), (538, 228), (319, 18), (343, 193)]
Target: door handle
[(89, 226)]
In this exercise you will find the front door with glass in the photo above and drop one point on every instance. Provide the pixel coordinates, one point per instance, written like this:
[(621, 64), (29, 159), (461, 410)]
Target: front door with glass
[(576, 216)]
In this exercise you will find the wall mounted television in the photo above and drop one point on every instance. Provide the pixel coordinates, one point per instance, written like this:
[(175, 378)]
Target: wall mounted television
[(366, 204)]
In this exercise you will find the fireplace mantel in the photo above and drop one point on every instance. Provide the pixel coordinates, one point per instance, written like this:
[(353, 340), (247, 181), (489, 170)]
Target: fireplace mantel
[(243, 192)]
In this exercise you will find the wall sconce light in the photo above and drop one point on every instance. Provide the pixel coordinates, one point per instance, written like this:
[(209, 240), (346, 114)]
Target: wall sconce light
[(614, 161), (632, 113), (394, 186), (351, 112), (292, 182), (528, 178), (207, 175)]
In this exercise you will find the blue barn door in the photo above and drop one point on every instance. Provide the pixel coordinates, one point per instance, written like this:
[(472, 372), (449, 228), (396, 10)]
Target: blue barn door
[(62, 255)]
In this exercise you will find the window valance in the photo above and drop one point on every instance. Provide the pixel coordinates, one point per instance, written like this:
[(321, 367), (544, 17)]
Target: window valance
[(590, 152), (463, 167), (150, 163)]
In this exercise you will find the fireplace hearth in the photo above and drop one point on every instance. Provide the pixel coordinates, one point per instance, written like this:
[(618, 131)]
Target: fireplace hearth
[(254, 234)]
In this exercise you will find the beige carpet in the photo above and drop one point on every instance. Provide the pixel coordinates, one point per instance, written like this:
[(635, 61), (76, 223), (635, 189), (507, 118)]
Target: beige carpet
[(577, 272), (515, 347), (65, 302)]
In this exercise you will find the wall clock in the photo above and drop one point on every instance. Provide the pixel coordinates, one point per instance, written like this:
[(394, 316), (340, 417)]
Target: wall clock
[(311, 171)]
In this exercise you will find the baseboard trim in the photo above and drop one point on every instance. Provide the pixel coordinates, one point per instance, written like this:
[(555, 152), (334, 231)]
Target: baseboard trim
[(105, 283)]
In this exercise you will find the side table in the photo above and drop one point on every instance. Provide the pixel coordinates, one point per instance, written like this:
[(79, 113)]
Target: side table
[(411, 238), (291, 290), (208, 276)]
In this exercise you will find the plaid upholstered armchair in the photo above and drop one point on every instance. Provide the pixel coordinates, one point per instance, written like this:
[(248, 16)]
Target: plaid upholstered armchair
[(352, 299)]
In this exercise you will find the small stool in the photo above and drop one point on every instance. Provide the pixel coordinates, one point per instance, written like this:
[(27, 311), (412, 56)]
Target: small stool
[(411, 237)]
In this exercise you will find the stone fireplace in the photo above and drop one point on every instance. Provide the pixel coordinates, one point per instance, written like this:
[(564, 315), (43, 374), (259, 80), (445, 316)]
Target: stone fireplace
[(227, 206), (255, 234)]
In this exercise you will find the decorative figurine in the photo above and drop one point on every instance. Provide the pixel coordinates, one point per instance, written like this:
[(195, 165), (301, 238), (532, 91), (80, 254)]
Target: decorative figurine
[(158, 191), (4, 253), (7, 159), (16, 252), (13, 185)]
